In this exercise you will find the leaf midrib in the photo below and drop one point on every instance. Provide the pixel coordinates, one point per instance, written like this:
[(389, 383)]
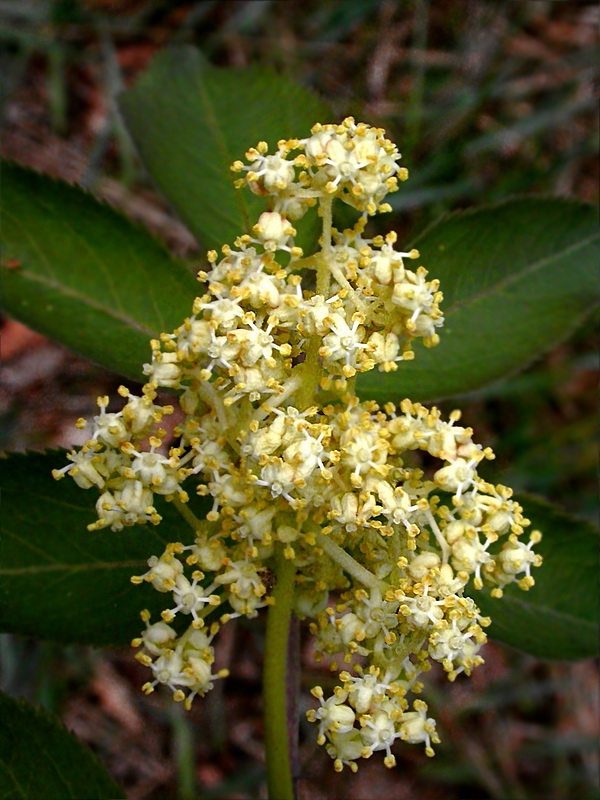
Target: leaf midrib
[(82, 240), (82, 567), (524, 273), (553, 612), (36, 277), (221, 142), (8, 770)]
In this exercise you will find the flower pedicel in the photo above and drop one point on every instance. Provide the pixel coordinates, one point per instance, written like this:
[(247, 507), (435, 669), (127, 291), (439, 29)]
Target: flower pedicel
[(297, 467)]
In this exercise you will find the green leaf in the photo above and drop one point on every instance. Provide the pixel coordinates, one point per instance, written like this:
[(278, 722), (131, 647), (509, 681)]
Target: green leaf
[(61, 582), (80, 272), (558, 617), (191, 121), (39, 757), (517, 279)]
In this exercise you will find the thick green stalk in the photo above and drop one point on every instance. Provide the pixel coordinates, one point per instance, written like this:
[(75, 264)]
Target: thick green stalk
[(183, 740), (277, 746)]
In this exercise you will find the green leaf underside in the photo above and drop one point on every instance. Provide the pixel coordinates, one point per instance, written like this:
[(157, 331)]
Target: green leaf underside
[(83, 274), (191, 121), (39, 758), (61, 582), (558, 617), (517, 279)]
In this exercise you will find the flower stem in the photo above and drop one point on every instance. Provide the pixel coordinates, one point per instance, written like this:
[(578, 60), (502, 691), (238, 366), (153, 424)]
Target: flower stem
[(347, 563), (195, 523), (279, 773), (312, 371), (183, 736), (324, 268)]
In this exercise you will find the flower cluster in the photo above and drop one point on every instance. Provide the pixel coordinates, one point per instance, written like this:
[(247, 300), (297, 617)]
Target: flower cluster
[(294, 466)]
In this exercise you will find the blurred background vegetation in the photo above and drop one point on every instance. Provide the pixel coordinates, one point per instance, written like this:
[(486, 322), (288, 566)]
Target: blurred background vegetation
[(485, 99)]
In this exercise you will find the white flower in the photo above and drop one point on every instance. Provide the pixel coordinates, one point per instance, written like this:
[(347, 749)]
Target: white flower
[(417, 728), (164, 370), (333, 714), (273, 230), (273, 174)]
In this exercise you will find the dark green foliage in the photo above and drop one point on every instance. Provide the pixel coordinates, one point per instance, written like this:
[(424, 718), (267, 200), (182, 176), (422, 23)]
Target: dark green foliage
[(517, 279), (80, 272), (61, 582), (210, 117), (40, 758), (558, 617)]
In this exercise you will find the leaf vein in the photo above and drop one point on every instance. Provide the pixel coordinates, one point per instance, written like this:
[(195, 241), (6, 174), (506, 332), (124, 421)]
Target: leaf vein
[(512, 278)]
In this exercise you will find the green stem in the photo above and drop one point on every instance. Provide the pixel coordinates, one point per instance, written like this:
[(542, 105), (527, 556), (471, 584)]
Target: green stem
[(347, 563), (195, 523), (324, 268), (277, 748), (312, 370), (183, 740)]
